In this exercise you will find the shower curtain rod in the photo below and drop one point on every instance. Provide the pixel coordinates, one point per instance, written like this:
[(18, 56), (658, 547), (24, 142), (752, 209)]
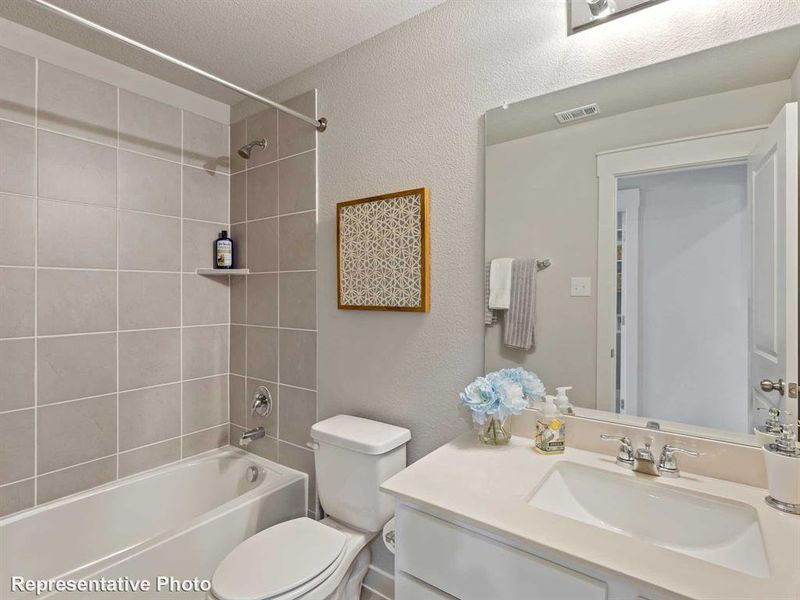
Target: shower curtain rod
[(320, 125)]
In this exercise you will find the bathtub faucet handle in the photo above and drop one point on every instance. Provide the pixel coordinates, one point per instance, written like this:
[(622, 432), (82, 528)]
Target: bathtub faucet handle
[(262, 402)]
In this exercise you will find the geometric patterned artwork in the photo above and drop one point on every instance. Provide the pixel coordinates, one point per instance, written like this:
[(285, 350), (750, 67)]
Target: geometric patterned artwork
[(383, 252)]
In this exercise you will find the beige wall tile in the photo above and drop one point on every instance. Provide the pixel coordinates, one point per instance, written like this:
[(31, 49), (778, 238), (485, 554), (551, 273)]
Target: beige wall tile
[(205, 300), (262, 245), (149, 457), (17, 292), (302, 460), (76, 367), (299, 358), (298, 183), (149, 358), (205, 195), (195, 443), (76, 104), (71, 169), (17, 496), (205, 403), (262, 353), (16, 374), (238, 337), (198, 244), (16, 445), (17, 229), (76, 301), (298, 294), (238, 204), (148, 126), (205, 351), (149, 184), (76, 479), (149, 415), (262, 299), (298, 242), (263, 125), (239, 237), (76, 235), (237, 140), (17, 86), (298, 413), (205, 143), (270, 422), (149, 242), (293, 134), (262, 191), (74, 432), (238, 299), (238, 403), (149, 300), (18, 158)]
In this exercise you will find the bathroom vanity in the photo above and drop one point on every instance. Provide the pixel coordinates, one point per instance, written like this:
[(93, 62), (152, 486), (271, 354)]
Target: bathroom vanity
[(476, 523)]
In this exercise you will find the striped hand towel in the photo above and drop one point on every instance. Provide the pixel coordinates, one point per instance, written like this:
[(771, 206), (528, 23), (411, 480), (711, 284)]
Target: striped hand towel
[(520, 317)]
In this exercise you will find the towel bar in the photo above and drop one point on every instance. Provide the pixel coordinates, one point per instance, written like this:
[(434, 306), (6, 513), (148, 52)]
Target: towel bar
[(541, 265)]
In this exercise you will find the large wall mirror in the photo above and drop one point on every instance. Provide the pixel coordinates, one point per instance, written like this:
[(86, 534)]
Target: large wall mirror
[(665, 200)]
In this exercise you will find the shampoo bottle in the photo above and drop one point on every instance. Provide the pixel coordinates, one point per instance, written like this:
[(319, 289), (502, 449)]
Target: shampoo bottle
[(550, 431), (223, 251)]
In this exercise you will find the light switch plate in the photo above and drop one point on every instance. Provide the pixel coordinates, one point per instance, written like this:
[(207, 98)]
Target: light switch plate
[(580, 286)]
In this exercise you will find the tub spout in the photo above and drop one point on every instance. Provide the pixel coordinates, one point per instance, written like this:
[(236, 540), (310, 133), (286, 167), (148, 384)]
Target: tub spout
[(250, 435)]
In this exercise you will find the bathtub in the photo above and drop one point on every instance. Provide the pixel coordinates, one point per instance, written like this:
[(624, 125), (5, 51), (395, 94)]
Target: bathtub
[(177, 521)]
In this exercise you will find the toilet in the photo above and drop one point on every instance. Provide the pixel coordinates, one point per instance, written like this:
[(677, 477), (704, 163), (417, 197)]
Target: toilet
[(327, 559)]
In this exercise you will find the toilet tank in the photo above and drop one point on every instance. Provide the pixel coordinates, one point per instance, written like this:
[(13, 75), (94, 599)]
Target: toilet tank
[(354, 456)]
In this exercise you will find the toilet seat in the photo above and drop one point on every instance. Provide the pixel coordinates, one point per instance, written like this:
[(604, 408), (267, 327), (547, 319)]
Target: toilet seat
[(280, 562)]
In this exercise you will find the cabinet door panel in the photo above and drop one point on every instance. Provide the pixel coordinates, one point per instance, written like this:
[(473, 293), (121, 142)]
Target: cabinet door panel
[(473, 567)]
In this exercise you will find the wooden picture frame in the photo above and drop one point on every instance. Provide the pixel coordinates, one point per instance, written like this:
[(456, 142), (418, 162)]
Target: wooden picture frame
[(383, 252)]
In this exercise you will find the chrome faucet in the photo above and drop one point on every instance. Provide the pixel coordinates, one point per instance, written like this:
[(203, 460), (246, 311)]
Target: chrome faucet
[(643, 461), (250, 435)]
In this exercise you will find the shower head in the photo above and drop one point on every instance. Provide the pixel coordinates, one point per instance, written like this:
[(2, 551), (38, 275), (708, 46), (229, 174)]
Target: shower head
[(245, 150)]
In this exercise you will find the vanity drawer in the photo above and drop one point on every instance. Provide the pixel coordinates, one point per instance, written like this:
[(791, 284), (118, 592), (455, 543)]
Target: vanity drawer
[(473, 567), (407, 587)]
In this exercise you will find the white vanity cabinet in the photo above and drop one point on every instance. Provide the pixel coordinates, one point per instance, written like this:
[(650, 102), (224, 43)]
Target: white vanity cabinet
[(437, 559)]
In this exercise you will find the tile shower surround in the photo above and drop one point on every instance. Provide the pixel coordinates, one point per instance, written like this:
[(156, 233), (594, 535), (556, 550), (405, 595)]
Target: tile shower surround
[(273, 310), (113, 353)]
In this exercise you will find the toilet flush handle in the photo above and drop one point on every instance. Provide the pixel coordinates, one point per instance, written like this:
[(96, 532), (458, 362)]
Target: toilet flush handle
[(313, 445)]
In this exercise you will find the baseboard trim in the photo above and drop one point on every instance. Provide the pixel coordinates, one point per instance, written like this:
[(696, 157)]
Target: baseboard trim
[(379, 582)]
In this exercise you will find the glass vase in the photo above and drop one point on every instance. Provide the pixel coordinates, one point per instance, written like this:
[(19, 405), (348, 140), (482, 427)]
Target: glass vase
[(494, 432)]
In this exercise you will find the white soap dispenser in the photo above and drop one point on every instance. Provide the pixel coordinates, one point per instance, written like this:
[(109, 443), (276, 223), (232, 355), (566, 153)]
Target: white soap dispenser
[(782, 459), (771, 429), (562, 402)]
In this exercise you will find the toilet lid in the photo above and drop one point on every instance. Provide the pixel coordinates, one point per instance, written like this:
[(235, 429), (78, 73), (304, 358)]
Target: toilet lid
[(277, 560)]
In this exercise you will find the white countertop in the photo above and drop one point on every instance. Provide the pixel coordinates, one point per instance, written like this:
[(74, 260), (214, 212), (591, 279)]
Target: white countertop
[(488, 488)]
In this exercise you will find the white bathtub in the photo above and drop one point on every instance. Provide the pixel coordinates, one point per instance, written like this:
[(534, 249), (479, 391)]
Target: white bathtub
[(179, 521)]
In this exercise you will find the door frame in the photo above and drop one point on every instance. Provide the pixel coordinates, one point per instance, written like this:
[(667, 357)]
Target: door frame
[(696, 151)]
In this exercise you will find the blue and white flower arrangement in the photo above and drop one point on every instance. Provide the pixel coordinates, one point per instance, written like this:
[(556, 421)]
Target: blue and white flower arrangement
[(498, 395)]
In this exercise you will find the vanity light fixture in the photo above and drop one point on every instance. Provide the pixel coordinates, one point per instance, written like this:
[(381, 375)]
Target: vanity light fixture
[(583, 14)]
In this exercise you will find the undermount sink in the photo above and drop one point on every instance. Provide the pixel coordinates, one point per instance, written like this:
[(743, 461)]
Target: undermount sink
[(720, 532)]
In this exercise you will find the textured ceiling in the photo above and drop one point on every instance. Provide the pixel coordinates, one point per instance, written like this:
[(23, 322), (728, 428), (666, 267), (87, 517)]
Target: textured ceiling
[(253, 43)]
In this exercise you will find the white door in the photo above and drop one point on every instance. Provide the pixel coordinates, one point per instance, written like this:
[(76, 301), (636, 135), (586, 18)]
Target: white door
[(773, 188), (628, 301)]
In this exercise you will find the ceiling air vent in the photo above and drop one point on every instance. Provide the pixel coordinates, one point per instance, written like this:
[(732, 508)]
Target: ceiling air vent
[(573, 114)]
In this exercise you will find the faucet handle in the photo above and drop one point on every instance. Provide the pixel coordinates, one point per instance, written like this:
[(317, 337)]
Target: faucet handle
[(625, 452), (667, 465)]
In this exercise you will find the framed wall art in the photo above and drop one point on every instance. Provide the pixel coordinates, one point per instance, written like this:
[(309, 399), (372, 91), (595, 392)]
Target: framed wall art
[(383, 252)]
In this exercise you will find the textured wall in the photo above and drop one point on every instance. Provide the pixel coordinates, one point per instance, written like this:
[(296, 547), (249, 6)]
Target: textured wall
[(113, 352), (274, 308), (406, 109)]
